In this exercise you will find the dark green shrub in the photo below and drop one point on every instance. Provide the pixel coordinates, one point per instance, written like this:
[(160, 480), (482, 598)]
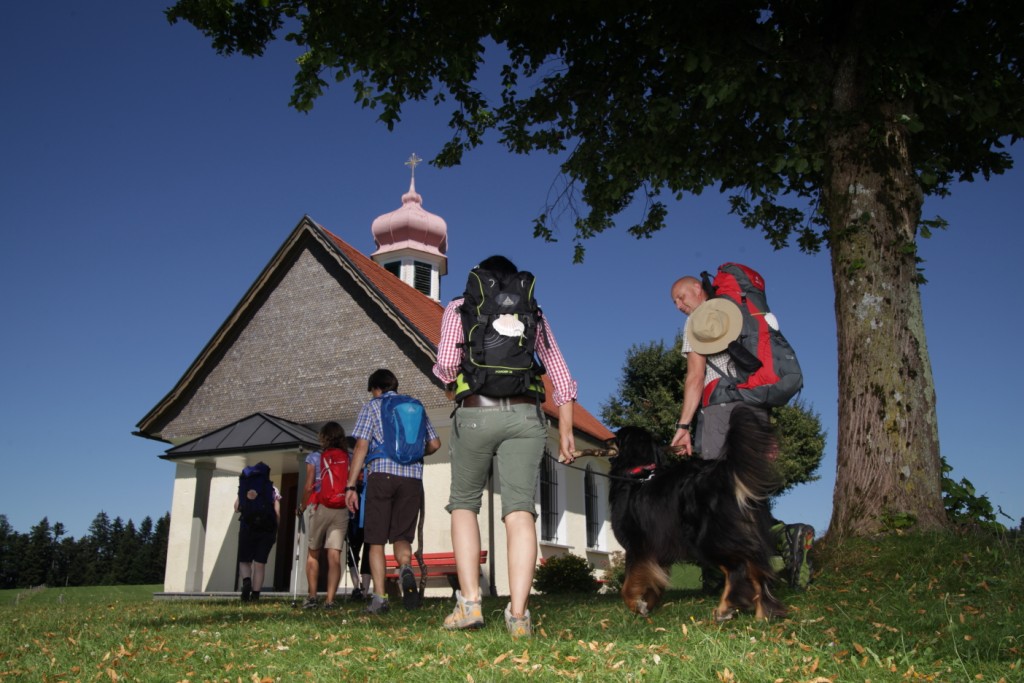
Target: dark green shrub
[(565, 574), (964, 505)]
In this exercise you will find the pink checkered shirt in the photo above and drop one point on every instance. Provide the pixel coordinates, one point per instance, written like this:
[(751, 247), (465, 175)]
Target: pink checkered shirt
[(449, 355)]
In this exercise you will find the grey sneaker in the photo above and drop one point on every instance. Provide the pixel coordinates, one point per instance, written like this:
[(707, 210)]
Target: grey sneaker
[(410, 591), (467, 614), (518, 627), (330, 605), (310, 603), (378, 605)]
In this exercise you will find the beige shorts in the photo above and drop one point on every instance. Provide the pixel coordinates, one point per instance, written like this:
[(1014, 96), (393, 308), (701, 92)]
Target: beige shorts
[(327, 527)]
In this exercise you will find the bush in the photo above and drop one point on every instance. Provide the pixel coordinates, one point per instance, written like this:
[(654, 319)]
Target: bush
[(565, 574), (963, 504), (615, 572)]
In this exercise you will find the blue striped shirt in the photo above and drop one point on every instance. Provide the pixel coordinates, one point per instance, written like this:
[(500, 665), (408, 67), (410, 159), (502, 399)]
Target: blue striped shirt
[(368, 426)]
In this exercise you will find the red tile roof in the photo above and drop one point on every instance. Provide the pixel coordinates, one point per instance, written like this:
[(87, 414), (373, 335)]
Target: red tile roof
[(425, 315)]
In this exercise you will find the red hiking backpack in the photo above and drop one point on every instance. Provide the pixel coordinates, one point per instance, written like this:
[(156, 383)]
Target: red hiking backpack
[(333, 478), (767, 371)]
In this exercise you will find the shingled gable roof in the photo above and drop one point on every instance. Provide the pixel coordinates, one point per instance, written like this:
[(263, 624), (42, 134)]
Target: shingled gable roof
[(416, 314)]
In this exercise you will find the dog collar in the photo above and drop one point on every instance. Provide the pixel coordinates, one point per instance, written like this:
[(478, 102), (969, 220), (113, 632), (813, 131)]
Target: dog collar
[(645, 471)]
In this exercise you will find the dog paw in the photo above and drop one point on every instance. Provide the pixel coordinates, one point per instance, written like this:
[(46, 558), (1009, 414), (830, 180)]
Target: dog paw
[(722, 616), (641, 608)]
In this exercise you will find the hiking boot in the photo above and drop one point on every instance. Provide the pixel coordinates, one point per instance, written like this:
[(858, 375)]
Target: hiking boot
[(356, 594), (378, 605), (246, 589), (310, 603), (330, 606), (466, 615), (518, 627), (410, 591), (799, 538)]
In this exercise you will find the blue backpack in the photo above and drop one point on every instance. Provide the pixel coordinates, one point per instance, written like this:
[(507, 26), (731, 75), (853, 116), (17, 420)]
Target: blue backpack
[(404, 425), (256, 512)]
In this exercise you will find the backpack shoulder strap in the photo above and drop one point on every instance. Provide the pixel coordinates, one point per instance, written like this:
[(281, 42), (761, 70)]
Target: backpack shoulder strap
[(373, 453)]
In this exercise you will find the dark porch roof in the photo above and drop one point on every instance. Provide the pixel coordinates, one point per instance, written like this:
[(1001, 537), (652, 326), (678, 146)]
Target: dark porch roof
[(258, 432)]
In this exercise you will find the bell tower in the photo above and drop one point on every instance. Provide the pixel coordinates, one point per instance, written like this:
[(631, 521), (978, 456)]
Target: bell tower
[(412, 243)]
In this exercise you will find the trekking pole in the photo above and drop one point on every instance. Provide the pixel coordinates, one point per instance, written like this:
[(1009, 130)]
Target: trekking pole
[(344, 569), (353, 565), (300, 528)]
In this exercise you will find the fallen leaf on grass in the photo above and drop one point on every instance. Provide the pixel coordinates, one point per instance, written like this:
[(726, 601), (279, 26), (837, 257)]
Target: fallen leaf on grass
[(501, 658)]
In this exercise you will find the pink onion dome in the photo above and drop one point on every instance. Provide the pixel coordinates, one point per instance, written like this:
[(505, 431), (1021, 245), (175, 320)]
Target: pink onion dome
[(410, 227)]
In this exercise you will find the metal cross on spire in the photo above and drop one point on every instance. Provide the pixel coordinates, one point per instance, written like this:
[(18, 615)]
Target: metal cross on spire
[(412, 163)]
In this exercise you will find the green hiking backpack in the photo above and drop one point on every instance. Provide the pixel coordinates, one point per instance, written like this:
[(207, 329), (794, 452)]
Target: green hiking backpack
[(793, 563), (500, 324)]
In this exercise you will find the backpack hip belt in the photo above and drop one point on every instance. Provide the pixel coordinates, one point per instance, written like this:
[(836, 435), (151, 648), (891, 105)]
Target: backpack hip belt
[(481, 401)]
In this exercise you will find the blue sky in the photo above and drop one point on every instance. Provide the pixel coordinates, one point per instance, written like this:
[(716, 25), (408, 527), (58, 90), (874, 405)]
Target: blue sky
[(145, 181)]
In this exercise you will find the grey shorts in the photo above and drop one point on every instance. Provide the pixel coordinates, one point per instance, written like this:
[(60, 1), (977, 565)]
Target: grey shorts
[(513, 437), (714, 426)]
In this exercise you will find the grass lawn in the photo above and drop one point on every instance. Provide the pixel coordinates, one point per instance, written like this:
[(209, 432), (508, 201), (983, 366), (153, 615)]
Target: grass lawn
[(910, 608)]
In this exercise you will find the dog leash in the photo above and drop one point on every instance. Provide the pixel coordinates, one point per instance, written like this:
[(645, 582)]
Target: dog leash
[(649, 470)]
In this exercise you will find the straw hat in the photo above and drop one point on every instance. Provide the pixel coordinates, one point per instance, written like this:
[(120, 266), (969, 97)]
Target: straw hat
[(713, 325)]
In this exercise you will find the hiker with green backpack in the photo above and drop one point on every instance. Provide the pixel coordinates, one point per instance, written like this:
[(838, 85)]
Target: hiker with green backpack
[(495, 346), (735, 355)]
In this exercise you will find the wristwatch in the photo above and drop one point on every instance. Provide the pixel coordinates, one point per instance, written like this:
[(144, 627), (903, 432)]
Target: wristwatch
[(682, 425)]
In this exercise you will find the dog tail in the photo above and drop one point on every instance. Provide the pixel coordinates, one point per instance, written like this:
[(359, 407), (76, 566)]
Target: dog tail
[(750, 451)]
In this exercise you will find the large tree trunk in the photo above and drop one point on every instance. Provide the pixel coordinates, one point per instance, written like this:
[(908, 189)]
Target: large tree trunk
[(888, 470)]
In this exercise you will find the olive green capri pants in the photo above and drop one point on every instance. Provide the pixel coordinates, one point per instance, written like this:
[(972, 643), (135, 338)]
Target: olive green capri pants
[(513, 434)]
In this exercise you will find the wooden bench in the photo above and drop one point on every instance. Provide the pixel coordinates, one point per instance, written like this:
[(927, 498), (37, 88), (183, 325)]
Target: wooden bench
[(435, 565)]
